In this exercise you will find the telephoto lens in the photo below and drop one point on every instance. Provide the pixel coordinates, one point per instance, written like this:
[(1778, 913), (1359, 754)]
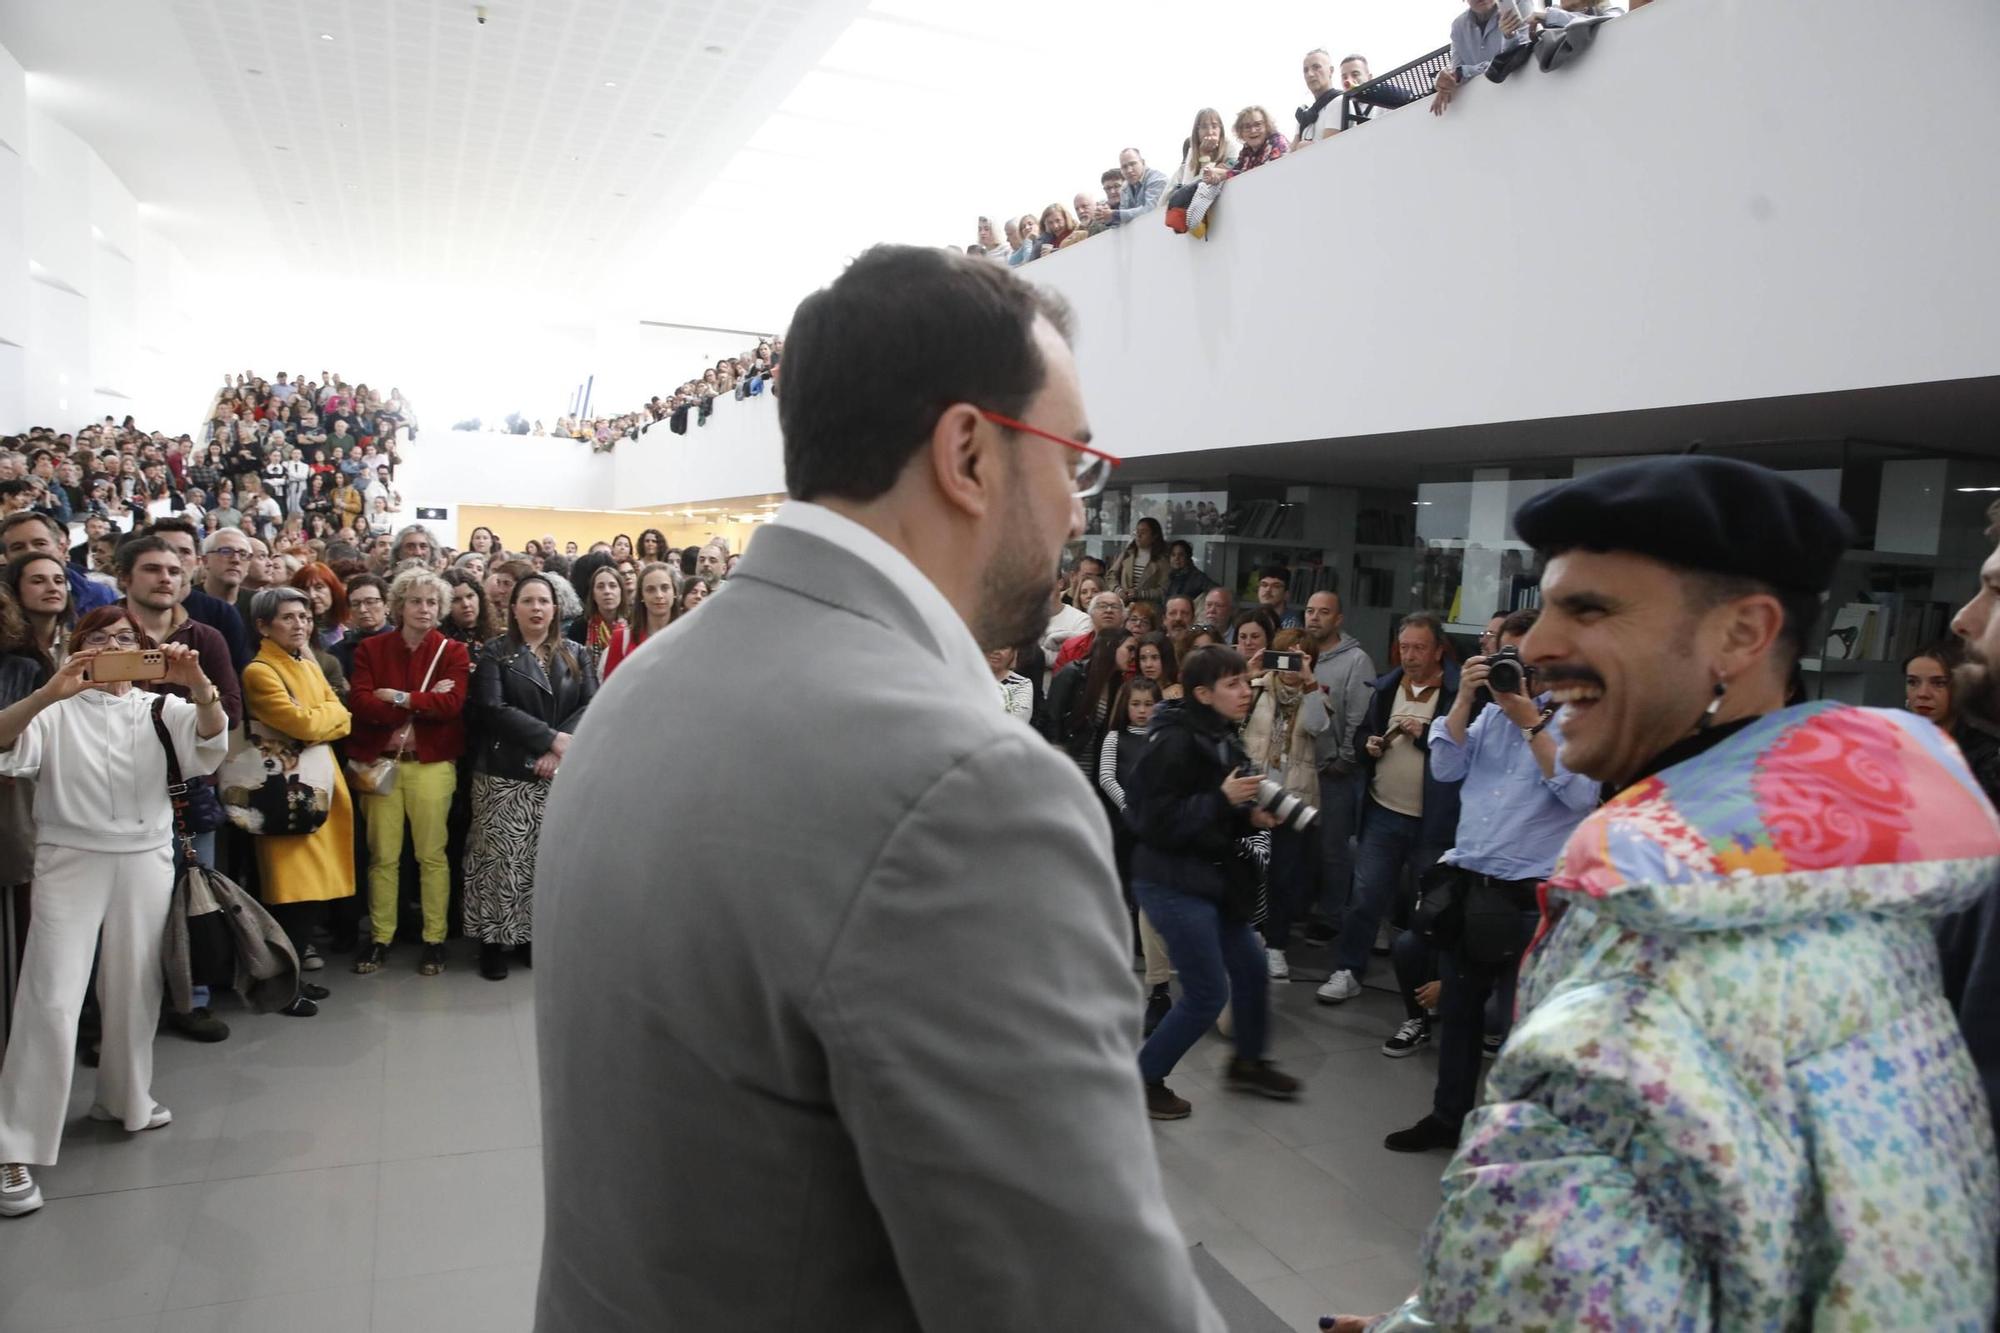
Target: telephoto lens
[(1293, 812)]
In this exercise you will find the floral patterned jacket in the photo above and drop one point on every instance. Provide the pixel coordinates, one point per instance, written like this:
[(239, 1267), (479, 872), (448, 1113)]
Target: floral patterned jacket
[(1735, 1098)]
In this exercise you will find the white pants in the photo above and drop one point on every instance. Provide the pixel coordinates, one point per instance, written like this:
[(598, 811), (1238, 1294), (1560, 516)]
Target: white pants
[(77, 895)]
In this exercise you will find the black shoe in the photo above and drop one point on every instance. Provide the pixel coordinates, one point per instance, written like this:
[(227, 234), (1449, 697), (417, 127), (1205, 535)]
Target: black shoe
[(300, 1008), (492, 962), (1426, 1134), (432, 961), (371, 958), (1157, 1005), (1319, 934), (524, 953), (1260, 1077), (198, 1025), (1161, 1104), (312, 992)]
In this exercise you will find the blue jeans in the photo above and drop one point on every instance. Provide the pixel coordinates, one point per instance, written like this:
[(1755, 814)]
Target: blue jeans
[(1462, 1020), (1220, 961), (1389, 841)]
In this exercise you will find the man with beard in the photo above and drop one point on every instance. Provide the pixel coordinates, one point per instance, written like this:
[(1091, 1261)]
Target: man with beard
[(1969, 941), (794, 1030), (1734, 1097)]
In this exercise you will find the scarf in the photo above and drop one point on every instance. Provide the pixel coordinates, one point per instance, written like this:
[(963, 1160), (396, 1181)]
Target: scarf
[(1308, 116), (1269, 733)]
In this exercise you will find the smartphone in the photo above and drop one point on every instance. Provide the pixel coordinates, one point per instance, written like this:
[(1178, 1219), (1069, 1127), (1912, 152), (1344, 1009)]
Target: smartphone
[(1275, 661), (127, 664)]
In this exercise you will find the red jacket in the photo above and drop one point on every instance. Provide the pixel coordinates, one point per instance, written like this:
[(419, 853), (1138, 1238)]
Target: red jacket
[(1075, 648), (385, 662)]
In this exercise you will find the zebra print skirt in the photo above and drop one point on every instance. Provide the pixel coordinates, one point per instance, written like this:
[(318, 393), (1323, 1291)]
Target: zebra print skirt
[(500, 859)]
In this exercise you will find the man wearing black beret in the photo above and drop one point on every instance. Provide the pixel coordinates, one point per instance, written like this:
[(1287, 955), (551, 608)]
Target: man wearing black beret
[(1734, 1096)]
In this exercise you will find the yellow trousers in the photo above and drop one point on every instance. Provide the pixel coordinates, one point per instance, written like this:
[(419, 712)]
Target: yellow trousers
[(422, 795)]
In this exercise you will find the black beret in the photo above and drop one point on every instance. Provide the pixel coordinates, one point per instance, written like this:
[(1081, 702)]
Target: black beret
[(1716, 515)]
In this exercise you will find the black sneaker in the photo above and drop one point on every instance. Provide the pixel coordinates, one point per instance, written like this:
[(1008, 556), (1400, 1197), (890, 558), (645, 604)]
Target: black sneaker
[(432, 961), (1426, 1134), (1161, 1104), (300, 1008), (1260, 1077), (1415, 1032), (312, 992), (371, 958), (199, 1024), (1157, 1005), (492, 962)]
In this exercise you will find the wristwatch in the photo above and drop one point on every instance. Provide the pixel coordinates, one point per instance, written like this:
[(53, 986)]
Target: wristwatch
[(402, 698)]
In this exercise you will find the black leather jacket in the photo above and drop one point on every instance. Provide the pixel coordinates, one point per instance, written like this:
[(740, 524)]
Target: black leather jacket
[(517, 708)]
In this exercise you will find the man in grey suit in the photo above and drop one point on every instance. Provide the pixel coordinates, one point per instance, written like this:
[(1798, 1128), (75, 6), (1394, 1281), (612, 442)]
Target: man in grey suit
[(853, 1047)]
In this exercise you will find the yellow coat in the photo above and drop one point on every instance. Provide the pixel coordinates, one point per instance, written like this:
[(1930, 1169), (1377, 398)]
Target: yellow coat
[(315, 866)]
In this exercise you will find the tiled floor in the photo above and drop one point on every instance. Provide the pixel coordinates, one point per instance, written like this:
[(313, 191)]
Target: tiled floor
[(378, 1167)]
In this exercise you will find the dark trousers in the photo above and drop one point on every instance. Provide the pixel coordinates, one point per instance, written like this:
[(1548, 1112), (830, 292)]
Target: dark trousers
[(1294, 876), (1390, 843), (1336, 843), (1220, 961), (1468, 986), (1419, 964)]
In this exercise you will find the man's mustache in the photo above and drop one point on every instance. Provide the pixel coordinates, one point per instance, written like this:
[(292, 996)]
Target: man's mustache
[(1549, 677)]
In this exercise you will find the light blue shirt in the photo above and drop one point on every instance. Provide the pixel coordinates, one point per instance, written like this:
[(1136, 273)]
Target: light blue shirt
[(1512, 821), (1475, 45)]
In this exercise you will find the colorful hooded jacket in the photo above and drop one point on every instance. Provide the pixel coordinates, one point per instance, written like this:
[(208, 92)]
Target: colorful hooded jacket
[(1735, 1098)]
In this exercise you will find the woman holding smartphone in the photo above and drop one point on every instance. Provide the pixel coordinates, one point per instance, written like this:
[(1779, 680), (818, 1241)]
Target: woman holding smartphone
[(104, 875)]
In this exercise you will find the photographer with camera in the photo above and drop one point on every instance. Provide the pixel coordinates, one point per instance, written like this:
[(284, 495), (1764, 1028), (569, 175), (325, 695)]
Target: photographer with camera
[(1282, 737), (1189, 804), (1518, 806)]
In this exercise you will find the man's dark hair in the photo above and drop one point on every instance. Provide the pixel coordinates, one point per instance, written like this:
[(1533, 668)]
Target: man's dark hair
[(160, 525), (14, 486), (1110, 175), (1208, 664), (1518, 624), (1426, 621), (1706, 591), (1275, 572), (873, 358), (360, 581), (1178, 545), (1092, 559), (128, 553)]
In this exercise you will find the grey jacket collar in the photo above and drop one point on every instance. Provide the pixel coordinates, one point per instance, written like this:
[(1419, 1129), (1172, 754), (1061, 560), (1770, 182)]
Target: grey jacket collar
[(813, 567)]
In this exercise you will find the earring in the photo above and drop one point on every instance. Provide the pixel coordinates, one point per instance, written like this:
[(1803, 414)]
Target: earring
[(1714, 705)]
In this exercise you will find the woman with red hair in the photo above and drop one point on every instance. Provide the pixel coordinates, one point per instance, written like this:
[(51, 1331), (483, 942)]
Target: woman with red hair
[(327, 596), (104, 875)]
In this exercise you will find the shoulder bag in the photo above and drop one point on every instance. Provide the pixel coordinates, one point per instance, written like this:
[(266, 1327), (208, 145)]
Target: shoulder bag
[(195, 802), (210, 955), (274, 784), (377, 777)]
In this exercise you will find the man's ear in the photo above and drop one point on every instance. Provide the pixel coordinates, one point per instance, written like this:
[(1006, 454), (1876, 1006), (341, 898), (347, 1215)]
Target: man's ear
[(964, 462)]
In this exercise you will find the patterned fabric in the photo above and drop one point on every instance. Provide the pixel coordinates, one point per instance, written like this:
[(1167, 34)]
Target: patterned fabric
[(499, 903), (1735, 1098)]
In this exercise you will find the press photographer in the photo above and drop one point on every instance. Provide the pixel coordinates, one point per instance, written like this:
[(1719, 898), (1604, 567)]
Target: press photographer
[(1190, 805), (1517, 807)]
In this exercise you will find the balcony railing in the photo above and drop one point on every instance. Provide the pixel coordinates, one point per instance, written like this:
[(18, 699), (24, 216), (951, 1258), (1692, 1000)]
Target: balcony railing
[(1399, 87)]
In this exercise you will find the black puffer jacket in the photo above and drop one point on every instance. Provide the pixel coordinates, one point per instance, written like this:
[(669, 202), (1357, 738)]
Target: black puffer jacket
[(1186, 834), (517, 708)]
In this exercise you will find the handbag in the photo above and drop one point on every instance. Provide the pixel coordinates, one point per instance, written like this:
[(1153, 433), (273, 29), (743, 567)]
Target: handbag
[(377, 776), (211, 952), (274, 784), (196, 803)]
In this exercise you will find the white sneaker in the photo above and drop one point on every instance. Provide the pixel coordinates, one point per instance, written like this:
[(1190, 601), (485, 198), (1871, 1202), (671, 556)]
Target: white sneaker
[(161, 1116), (19, 1193), (1340, 986), (1279, 969)]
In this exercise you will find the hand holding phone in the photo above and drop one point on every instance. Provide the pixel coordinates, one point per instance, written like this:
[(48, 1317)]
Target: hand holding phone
[(136, 664)]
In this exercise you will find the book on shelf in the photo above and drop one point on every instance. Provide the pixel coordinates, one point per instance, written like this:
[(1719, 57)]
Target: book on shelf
[(1851, 636)]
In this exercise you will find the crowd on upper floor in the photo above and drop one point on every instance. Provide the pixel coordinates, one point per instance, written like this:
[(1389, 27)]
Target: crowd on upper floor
[(1492, 38)]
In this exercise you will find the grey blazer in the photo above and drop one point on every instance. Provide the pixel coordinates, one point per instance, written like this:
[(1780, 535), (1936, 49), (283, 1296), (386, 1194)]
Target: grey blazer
[(837, 1023)]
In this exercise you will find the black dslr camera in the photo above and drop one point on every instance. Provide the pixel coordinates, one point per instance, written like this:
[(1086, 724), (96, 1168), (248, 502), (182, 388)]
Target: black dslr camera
[(1506, 673)]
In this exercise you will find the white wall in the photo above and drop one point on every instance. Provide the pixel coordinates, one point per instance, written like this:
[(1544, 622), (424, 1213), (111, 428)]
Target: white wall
[(98, 314), (1699, 212)]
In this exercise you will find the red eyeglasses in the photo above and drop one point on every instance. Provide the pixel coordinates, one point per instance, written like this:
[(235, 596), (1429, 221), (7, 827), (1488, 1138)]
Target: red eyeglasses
[(1093, 466)]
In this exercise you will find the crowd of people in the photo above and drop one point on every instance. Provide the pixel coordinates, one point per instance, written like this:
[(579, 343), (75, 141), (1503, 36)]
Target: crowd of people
[(1493, 38), (746, 375), (412, 700)]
